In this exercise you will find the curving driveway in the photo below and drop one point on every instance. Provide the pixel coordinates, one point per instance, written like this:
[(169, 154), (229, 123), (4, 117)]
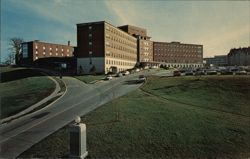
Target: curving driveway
[(79, 99)]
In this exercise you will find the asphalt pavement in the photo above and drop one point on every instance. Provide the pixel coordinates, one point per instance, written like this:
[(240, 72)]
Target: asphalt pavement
[(80, 98)]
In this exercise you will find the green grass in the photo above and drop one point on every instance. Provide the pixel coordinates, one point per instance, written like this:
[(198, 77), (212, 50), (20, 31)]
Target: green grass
[(90, 78), (222, 93), (26, 90), (150, 126)]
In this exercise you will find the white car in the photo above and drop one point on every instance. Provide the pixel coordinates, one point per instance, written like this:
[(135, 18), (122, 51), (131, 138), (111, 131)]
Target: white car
[(126, 73), (109, 77), (137, 70)]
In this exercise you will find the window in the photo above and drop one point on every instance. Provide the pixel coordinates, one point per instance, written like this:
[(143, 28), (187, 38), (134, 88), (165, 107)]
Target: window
[(56, 49), (90, 27), (90, 35), (25, 50), (36, 57), (44, 48), (50, 49), (50, 54), (62, 54), (90, 43), (56, 54), (62, 50), (43, 52), (67, 50), (90, 52), (36, 52), (36, 47)]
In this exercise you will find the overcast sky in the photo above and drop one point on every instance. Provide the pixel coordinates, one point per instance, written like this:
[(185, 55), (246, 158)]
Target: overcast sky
[(217, 25)]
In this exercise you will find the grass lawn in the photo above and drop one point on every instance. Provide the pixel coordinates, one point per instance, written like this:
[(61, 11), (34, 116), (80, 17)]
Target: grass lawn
[(20, 88), (151, 126), (90, 78)]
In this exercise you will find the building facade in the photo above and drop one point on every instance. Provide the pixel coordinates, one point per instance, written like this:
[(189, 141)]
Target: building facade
[(144, 45), (35, 50), (103, 48), (176, 54), (133, 30), (220, 60), (239, 57)]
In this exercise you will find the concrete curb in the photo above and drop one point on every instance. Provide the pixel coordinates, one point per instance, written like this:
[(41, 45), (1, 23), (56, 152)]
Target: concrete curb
[(29, 109)]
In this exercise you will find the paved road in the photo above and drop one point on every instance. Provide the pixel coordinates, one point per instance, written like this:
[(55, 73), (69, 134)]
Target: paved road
[(17, 136)]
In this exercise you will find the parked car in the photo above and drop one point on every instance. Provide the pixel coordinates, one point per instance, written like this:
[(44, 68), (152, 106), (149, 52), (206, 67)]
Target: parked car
[(108, 77), (189, 73), (177, 73), (118, 75), (137, 70), (142, 78), (243, 72), (125, 73), (226, 72), (211, 72), (200, 72)]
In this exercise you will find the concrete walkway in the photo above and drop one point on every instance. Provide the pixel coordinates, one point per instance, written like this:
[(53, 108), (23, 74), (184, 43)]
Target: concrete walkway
[(29, 109)]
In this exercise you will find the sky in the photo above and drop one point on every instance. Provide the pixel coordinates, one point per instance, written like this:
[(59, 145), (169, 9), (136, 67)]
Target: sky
[(217, 25)]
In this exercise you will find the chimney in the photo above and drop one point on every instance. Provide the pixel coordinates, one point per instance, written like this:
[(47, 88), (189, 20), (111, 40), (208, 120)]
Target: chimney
[(68, 43)]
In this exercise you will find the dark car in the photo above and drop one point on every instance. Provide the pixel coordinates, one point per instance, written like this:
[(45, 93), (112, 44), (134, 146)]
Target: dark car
[(189, 73), (199, 72), (141, 79), (177, 73)]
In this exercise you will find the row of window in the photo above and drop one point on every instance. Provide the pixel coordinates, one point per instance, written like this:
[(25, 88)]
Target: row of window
[(121, 56), (44, 48), (177, 55), (120, 63), (177, 46), (145, 54), (119, 33), (50, 54), (146, 60), (119, 40), (118, 47), (175, 50), (177, 61), (183, 65)]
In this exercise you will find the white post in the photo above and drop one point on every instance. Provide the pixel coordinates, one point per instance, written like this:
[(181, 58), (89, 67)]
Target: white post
[(78, 146)]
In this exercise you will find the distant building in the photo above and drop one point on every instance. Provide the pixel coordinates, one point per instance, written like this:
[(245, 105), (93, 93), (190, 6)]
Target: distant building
[(35, 50), (176, 54), (220, 60), (144, 45), (239, 57), (103, 48)]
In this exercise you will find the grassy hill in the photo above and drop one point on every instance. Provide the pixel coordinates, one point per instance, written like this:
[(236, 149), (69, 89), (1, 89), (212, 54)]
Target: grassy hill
[(182, 117), (21, 88)]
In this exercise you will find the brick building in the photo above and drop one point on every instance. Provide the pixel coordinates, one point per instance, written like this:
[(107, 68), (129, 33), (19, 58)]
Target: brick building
[(176, 54), (144, 45), (104, 48), (239, 57), (35, 50)]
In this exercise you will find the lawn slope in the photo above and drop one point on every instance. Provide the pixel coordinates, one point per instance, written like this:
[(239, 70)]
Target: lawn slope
[(145, 124), (21, 88)]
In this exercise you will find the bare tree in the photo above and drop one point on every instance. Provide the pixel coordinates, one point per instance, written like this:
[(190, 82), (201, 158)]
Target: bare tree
[(9, 59), (15, 48)]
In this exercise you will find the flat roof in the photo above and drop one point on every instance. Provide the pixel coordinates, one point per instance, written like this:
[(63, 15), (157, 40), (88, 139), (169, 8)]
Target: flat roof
[(102, 22), (38, 41), (175, 42), (132, 27)]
